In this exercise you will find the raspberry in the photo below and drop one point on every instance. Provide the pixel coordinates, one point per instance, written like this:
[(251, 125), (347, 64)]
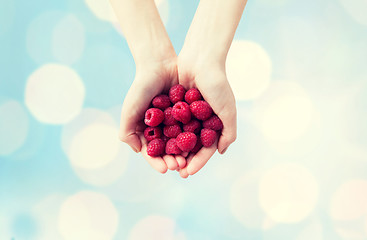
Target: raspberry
[(161, 101), (177, 93), (201, 110), (181, 112), (168, 118), (172, 131), (153, 117), (172, 148), (213, 123), (197, 147), (193, 126), (192, 95), (186, 141), (151, 133), (156, 147), (207, 137)]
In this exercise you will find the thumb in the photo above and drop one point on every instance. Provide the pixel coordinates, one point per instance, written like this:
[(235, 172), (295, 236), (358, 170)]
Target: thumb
[(229, 131)]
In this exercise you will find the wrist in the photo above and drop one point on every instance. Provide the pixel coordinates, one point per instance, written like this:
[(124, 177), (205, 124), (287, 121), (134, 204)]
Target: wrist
[(196, 58), (153, 53)]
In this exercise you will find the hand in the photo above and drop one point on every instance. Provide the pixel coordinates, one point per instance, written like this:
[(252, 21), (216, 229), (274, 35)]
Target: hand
[(151, 79), (210, 78)]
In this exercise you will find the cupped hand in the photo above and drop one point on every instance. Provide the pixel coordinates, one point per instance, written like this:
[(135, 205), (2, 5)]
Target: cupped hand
[(211, 80), (150, 80)]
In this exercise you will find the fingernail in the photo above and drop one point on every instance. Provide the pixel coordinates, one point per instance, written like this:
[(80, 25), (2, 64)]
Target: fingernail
[(134, 150), (224, 150)]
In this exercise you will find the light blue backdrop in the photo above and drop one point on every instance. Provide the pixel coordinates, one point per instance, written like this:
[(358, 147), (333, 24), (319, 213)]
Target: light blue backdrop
[(297, 171)]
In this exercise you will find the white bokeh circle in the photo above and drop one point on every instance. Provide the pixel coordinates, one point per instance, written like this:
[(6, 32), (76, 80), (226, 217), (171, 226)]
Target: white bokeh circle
[(54, 94), (46, 213), (96, 155), (349, 202), (356, 9), (285, 113), (88, 215), (248, 69), (14, 125), (68, 39), (55, 36), (244, 201), (156, 228), (94, 146), (288, 193)]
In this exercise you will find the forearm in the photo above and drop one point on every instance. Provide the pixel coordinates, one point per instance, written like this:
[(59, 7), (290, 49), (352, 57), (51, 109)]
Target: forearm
[(213, 28), (143, 29)]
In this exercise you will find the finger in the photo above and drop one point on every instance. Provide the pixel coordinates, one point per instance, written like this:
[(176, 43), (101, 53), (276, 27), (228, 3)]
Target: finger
[(183, 171), (201, 158), (184, 154), (229, 131), (181, 161), (136, 102), (170, 162), (133, 141), (156, 162)]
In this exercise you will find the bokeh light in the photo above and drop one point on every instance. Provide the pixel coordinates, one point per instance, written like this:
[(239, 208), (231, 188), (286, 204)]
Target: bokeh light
[(94, 150), (88, 215), (248, 69), (284, 113), (156, 228), (288, 193), (94, 146), (349, 202), (68, 39), (54, 94), (244, 201), (13, 126), (39, 39), (46, 213)]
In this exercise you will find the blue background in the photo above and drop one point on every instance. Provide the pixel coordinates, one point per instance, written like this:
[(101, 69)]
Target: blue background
[(320, 46)]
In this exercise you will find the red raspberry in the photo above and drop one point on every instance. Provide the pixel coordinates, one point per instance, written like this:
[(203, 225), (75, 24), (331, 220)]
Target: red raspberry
[(172, 148), (197, 147), (176, 93), (181, 112), (168, 118), (207, 137), (186, 141), (161, 101), (192, 95), (153, 117), (172, 131), (151, 133), (201, 110), (165, 139), (213, 123), (156, 147), (193, 126)]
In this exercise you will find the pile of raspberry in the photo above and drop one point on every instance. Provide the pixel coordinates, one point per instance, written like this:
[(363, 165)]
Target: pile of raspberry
[(180, 122)]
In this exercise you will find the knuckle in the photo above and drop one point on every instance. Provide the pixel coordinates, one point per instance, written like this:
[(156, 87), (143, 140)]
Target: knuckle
[(123, 138), (233, 138)]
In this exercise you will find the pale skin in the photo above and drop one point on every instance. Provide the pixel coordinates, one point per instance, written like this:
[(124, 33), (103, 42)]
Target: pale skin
[(200, 64)]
